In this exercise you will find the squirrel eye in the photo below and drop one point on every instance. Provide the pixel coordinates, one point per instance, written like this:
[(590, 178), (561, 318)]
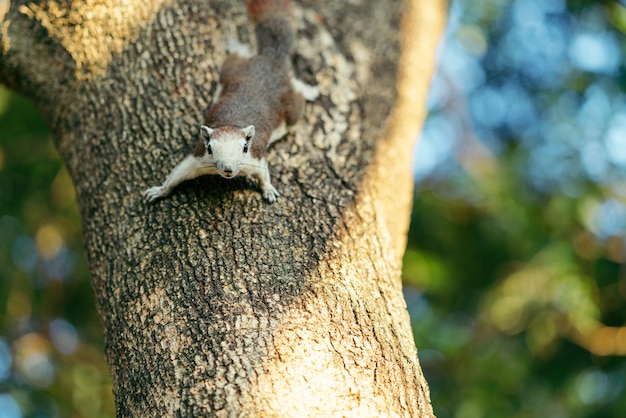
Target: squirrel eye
[(209, 150), (245, 148)]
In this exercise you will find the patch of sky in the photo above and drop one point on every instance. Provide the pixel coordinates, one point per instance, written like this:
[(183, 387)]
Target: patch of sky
[(521, 111), (461, 68), (609, 219), (6, 359), (9, 408), (535, 47), (615, 139), (63, 335), (550, 164), (488, 106), (595, 52), (594, 161), (594, 113), (438, 137)]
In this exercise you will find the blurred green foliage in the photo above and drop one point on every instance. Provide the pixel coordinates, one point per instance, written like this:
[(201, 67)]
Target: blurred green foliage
[(51, 348), (514, 273)]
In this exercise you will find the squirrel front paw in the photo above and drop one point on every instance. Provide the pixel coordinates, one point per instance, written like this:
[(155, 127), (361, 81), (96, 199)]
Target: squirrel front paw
[(270, 193), (154, 193)]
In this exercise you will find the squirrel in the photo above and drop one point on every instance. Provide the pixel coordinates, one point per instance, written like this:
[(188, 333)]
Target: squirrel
[(256, 99)]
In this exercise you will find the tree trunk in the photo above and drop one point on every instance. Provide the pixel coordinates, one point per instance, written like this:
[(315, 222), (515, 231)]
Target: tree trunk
[(214, 302)]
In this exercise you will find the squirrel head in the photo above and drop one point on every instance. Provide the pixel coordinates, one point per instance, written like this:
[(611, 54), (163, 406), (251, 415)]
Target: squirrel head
[(228, 147)]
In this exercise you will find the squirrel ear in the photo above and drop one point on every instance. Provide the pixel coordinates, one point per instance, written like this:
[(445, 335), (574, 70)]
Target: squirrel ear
[(205, 131), (249, 132)]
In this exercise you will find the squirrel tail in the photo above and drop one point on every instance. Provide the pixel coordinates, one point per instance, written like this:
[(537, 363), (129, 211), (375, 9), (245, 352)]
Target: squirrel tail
[(273, 27)]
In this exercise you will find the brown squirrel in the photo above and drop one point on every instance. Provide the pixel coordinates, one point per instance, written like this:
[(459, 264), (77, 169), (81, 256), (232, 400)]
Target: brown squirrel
[(256, 98)]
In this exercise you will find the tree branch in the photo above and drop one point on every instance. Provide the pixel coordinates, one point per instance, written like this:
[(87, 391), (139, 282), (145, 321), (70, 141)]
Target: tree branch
[(213, 301)]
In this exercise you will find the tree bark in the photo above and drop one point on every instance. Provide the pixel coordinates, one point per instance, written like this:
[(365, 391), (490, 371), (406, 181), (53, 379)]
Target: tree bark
[(213, 302)]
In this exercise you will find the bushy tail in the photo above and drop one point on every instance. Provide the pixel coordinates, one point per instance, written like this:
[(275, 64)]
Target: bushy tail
[(273, 27)]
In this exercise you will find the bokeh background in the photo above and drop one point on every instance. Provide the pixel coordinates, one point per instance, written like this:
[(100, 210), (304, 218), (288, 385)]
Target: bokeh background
[(514, 274)]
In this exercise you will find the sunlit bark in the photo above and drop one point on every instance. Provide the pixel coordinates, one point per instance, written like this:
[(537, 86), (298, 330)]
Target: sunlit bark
[(213, 301)]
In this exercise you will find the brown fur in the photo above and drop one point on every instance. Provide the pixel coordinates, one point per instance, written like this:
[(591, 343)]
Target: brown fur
[(258, 90), (200, 149), (257, 8), (255, 91)]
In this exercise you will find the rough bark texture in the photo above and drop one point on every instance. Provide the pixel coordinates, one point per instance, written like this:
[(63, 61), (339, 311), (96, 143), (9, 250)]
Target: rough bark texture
[(215, 303)]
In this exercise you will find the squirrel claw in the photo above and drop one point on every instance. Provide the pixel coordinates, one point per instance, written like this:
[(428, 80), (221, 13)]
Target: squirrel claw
[(270, 194), (153, 193)]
